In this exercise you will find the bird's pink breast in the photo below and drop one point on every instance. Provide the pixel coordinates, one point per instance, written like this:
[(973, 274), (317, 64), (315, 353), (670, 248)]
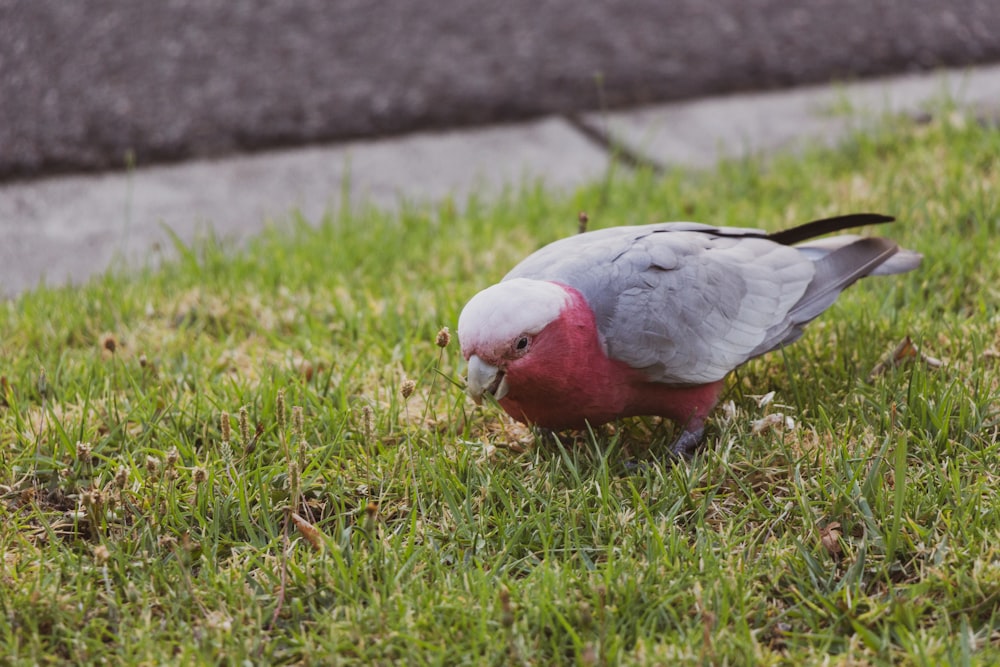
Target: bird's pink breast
[(567, 380)]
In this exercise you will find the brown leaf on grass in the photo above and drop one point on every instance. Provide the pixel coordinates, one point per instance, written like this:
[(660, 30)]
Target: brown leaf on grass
[(903, 352), (188, 544), (308, 531), (5, 391), (829, 537)]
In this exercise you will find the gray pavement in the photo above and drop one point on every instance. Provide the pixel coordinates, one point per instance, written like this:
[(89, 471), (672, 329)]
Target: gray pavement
[(698, 132), (83, 83), (68, 228)]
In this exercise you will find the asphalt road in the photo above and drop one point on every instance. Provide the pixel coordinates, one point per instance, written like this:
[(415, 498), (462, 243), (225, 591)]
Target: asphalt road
[(96, 84)]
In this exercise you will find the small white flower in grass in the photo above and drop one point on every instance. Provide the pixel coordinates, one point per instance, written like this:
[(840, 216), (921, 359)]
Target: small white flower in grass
[(765, 400), (216, 620), (729, 411), (773, 421)]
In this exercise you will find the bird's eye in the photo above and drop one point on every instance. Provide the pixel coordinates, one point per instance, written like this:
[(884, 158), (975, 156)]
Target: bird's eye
[(522, 344)]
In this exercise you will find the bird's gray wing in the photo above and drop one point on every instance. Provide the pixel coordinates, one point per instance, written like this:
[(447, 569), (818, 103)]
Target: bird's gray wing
[(600, 262), (687, 303), (694, 306), (680, 301)]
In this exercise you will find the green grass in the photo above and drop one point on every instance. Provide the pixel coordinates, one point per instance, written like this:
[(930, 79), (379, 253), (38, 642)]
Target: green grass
[(134, 528)]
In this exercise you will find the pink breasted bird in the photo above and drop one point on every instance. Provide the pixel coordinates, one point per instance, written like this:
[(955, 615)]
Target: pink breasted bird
[(649, 320)]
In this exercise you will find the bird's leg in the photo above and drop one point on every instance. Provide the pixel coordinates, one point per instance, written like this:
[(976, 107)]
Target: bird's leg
[(687, 442), (705, 398)]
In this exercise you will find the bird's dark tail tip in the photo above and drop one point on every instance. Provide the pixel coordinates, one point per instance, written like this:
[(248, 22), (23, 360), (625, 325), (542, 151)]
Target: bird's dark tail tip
[(827, 226)]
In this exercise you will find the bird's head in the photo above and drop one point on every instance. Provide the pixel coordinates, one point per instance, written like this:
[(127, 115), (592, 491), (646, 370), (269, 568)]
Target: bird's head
[(500, 329)]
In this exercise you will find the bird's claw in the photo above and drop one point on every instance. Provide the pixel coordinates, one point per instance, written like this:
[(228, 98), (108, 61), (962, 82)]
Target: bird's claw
[(687, 443)]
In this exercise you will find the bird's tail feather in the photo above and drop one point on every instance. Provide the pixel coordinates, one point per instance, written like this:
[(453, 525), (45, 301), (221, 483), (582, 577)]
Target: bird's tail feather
[(841, 262), (902, 261), (827, 226)]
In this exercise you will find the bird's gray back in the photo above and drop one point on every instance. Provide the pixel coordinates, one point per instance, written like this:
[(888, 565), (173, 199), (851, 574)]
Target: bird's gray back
[(684, 302)]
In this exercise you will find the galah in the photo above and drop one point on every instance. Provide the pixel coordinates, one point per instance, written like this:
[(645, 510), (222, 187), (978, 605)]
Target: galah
[(649, 320)]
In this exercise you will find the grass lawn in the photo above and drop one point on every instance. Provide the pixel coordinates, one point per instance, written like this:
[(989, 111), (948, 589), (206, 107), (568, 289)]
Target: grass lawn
[(263, 456)]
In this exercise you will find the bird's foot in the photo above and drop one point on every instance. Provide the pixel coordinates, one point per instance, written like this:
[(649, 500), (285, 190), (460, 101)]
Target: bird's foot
[(687, 443)]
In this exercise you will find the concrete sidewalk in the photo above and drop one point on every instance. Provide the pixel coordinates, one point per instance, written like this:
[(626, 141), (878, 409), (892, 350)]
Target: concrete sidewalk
[(70, 228)]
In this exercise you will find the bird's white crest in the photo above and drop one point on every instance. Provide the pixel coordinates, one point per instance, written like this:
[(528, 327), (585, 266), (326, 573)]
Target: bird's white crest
[(508, 309)]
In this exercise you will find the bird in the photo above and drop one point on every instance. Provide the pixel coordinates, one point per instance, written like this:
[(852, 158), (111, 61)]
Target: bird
[(648, 320)]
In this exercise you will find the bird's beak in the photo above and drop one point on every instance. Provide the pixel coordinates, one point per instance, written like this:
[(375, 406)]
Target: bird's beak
[(485, 379)]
